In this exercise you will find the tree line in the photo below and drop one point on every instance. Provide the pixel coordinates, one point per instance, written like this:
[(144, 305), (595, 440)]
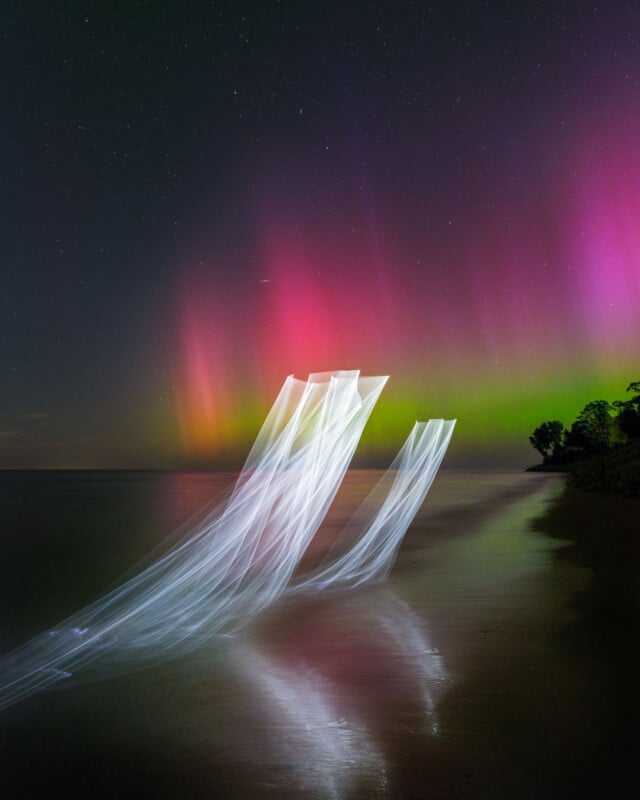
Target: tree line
[(599, 427)]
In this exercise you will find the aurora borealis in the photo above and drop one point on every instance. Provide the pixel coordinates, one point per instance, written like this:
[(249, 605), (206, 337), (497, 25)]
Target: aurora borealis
[(204, 200)]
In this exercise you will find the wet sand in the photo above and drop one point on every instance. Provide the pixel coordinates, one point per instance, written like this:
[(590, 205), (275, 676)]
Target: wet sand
[(498, 662)]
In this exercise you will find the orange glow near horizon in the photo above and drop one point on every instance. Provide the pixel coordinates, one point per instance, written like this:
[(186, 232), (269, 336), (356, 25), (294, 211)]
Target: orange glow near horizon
[(204, 405)]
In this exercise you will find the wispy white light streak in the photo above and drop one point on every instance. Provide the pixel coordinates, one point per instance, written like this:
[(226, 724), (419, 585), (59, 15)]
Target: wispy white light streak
[(242, 556), (405, 485)]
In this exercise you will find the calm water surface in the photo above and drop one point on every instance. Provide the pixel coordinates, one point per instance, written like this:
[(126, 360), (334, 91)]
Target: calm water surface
[(461, 677)]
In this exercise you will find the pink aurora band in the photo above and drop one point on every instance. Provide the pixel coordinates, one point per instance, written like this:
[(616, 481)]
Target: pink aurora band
[(243, 555)]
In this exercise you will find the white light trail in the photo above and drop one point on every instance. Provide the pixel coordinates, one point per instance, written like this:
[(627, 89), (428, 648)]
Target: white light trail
[(242, 556), (404, 486)]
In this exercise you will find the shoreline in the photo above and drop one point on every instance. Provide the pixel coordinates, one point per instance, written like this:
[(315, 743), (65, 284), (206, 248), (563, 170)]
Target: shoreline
[(602, 533), (612, 553)]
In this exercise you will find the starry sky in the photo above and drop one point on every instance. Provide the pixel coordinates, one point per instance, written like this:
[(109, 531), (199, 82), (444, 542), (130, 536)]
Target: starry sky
[(201, 198)]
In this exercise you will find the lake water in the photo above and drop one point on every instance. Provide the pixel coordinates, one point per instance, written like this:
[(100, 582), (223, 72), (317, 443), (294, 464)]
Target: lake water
[(468, 674)]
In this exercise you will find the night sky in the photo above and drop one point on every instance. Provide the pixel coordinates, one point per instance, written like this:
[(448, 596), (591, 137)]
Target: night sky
[(200, 199)]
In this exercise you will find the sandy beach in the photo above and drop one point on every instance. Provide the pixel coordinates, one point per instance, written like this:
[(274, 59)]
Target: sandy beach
[(497, 661)]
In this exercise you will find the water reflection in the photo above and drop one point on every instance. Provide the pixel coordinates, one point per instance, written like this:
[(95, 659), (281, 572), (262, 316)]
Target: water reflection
[(335, 696), (319, 695)]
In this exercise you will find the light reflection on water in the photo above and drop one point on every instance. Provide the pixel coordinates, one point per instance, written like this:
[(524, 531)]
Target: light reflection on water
[(323, 689), (344, 696), (312, 699)]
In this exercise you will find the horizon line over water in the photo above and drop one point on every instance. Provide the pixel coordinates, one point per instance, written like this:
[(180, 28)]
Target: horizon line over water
[(30, 442), (459, 456), (460, 468)]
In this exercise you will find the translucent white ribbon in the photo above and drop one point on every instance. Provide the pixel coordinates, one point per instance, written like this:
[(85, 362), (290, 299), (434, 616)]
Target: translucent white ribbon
[(242, 556)]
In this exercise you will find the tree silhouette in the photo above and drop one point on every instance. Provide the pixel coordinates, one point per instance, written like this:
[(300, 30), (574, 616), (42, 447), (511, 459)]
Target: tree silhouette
[(594, 431), (548, 438), (629, 412), (594, 422)]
